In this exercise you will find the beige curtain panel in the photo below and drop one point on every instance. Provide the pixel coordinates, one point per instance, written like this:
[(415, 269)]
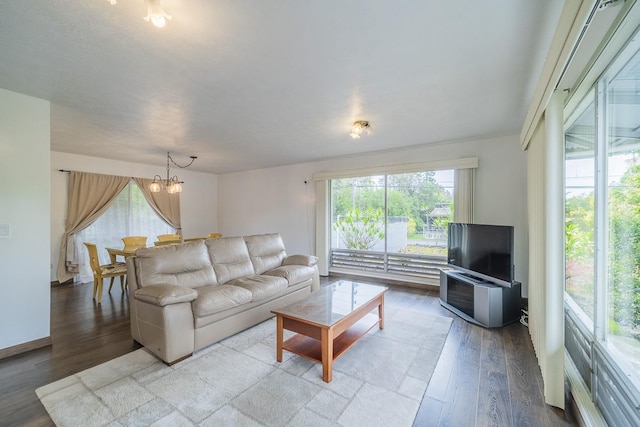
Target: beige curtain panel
[(89, 195), (166, 205)]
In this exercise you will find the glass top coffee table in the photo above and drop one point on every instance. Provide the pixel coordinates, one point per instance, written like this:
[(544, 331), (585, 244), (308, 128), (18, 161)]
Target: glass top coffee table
[(329, 321)]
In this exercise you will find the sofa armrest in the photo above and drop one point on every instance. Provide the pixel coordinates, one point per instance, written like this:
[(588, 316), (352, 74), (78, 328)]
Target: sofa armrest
[(162, 295), (308, 260)]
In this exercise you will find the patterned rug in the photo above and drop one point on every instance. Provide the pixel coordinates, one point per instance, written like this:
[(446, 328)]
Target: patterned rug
[(380, 381)]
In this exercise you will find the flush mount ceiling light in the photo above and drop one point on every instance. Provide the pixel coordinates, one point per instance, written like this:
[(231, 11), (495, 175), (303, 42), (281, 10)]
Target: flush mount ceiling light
[(172, 185), (156, 14), (358, 127)]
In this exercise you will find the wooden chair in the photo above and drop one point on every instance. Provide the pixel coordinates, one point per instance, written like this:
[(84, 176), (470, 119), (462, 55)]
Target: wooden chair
[(215, 235), (163, 237), (167, 242), (100, 272), (134, 242)]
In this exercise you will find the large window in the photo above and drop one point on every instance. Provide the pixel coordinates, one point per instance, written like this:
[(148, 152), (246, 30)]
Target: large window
[(392, 223), (602, 213), (129, 215), (580, 170)]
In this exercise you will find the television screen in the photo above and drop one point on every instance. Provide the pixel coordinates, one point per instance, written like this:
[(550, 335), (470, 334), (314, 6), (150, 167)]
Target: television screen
[(485, 251)]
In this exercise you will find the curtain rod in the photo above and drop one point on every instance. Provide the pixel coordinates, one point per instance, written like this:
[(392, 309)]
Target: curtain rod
[(67, 171)]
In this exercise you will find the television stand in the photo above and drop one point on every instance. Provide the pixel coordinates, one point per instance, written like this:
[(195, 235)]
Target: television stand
[(479, 301)]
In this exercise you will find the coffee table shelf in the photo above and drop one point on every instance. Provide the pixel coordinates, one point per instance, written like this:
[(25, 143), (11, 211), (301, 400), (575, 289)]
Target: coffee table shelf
[(312, 348)]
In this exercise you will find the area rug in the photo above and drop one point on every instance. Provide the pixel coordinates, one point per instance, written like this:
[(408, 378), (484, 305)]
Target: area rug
[(380, 381)]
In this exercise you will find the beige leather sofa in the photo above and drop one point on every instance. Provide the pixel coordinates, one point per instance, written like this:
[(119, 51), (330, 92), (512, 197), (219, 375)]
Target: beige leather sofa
[(185, 297)]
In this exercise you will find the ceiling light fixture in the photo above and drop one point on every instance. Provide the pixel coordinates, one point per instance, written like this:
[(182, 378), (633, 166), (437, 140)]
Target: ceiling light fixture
[(172, 185), (358, 127), (156, 14)]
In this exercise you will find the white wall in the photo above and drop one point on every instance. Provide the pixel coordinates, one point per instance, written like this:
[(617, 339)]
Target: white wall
[(277, 199), (25, 198), (198, 200)]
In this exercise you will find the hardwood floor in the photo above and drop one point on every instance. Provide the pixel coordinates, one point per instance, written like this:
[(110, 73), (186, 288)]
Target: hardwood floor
[(83, 335), (485, 377)]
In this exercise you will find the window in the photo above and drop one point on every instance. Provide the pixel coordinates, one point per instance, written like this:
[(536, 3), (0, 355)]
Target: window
[(580, 170), (602, 246), (622, 106), (129, 215), (393, 223)]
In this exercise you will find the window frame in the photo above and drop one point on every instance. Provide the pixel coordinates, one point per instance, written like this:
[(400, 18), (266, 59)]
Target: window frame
[(610, 369)]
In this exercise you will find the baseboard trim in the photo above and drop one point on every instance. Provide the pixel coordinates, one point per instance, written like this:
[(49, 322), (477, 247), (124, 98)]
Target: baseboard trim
[(56, 283), (25, 347)]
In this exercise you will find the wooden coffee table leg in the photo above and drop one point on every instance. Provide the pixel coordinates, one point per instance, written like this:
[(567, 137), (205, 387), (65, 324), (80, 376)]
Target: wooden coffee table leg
[(279, 338), (381, 312), (326, 336)]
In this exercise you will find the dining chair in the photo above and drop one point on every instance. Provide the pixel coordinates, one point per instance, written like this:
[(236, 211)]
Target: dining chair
[(215, 235), (167, 242), (163, 237), (134, 242), (100, 272)]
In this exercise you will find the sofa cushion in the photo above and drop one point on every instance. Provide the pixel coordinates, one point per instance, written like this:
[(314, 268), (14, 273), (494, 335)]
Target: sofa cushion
[(266, 251), (187, 265), (308, 260), (216, 298), (162, 295), (261, 287), (230, 258), (293, 273)]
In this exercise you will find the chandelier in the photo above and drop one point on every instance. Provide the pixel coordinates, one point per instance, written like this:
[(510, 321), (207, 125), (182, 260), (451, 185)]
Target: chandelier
[(358, 127), (156, 14), (172, 185)]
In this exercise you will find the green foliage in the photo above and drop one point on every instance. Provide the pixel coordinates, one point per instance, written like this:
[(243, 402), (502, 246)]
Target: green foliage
[(614, 328), (624, 253), (580, 227), (411, 226), (361, 229), (443, 221), (411, 195), (623, 248)]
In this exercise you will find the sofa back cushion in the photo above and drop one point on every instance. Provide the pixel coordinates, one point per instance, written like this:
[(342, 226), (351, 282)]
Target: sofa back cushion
[(187, 265), (266, 251), (230, 258)]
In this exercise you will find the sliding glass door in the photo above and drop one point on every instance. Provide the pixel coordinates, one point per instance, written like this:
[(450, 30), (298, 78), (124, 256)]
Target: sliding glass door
[(392, 223)]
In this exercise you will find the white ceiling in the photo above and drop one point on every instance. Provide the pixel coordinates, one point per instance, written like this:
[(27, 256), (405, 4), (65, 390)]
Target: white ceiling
[(246, 84)]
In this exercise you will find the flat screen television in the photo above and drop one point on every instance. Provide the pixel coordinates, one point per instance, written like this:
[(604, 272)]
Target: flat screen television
[(481, 250)]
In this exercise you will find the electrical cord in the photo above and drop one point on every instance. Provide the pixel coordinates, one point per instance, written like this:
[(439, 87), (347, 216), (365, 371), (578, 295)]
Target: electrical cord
[(524, 319)]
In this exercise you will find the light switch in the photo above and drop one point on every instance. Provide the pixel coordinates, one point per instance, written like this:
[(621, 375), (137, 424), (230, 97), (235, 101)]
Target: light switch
[(5, 231)]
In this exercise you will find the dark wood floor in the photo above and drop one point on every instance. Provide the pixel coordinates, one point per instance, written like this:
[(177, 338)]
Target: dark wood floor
[(484, 377)]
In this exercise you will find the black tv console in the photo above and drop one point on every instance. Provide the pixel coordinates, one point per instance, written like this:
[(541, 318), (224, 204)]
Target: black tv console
[(479, 301)]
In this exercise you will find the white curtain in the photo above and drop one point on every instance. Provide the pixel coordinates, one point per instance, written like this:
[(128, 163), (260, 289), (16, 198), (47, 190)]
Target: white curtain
[(463, 195), (546, 249), (129, 215), (323, 207)]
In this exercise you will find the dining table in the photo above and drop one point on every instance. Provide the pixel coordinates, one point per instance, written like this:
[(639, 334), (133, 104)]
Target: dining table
[(123, 252)]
